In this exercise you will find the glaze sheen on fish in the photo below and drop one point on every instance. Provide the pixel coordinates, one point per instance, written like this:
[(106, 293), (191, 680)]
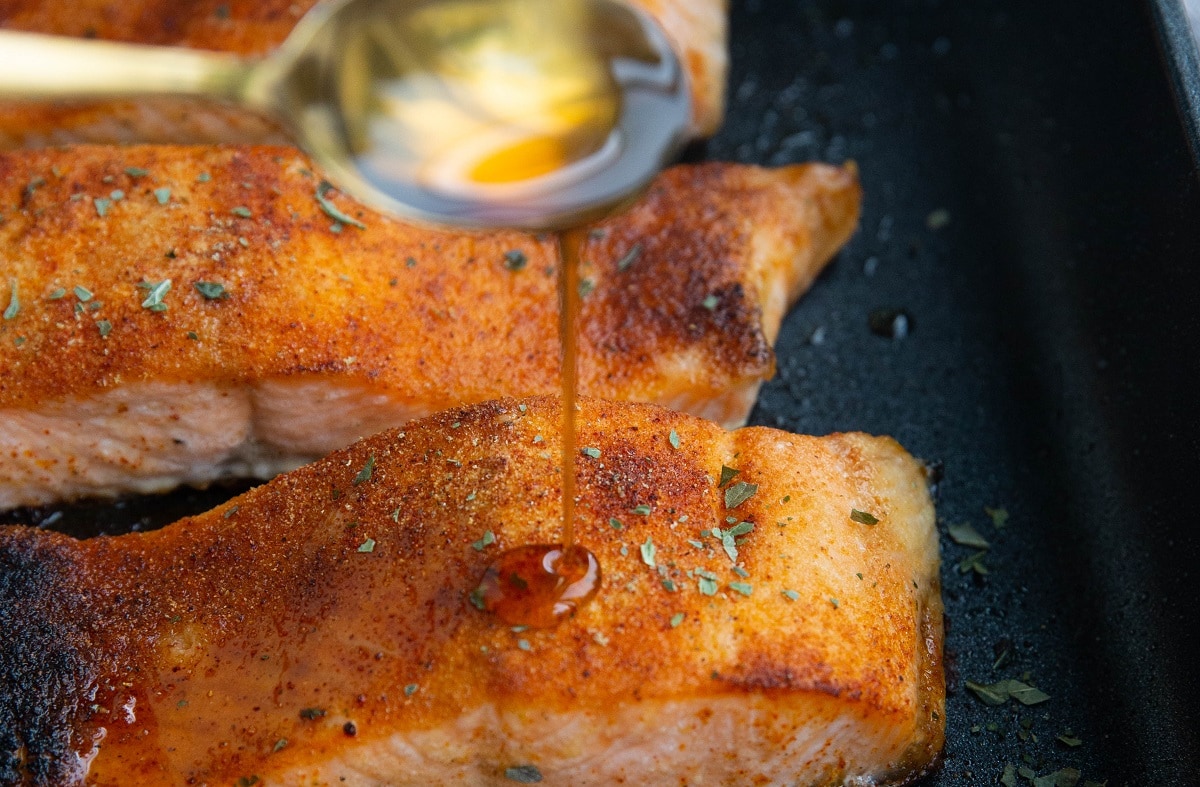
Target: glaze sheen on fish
[(246, 642), (697, 29), (321, 332)]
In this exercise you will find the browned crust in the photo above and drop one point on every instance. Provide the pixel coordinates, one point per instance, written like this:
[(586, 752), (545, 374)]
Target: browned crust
[(254, 28), (429, 318), (269, 602)]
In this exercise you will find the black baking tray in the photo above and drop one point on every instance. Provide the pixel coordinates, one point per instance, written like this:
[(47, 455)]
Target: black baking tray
[(1031, 207)]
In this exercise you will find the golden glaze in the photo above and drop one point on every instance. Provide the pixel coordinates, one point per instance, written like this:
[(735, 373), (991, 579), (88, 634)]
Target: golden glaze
[(196, 649), (255, 27)]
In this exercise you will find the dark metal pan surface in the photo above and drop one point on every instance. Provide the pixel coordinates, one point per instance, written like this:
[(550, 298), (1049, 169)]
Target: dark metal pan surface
[(1032, 210)]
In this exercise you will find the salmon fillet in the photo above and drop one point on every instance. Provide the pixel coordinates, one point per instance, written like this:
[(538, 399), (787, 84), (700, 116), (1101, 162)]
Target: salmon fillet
[(317, 630), (313, 332), (697, 29)]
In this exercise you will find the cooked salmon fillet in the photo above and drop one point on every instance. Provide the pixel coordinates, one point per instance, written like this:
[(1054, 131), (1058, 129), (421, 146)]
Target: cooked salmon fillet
[(318, 630), (697, 29), (287, 332)]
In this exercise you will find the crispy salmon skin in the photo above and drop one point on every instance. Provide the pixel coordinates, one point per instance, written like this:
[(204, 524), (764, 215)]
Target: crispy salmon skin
[(319, 630), (179, 314), (697, 29)]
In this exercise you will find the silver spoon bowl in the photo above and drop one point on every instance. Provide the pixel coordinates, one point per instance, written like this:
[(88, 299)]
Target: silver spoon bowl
[(474, 113)]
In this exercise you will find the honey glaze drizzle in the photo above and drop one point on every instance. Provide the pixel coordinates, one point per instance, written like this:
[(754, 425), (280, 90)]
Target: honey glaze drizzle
[(541, 584)]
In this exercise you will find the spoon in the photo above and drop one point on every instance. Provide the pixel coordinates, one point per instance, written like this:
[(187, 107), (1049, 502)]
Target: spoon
[(520, 113)]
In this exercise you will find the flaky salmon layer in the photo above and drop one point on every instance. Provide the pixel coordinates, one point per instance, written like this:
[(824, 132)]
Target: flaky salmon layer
[(288, 332), (318, 629), (697, 29)]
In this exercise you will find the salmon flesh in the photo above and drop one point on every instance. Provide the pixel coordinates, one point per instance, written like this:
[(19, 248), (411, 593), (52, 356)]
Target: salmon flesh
[(769, 614)]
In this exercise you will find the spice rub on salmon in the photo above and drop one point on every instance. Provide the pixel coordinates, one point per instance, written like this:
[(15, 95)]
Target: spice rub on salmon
[(750, 628), (179, 314), (697, 29)]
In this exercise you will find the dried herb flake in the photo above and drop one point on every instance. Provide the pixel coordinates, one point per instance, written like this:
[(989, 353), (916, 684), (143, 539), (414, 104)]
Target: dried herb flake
[(862, 517), (515, 260), (211, 290), (14, 301), (630, 257), (364, 475), (739, 493), (523, 774), (155, 291), (648, 551), (331, 210), (967, 536)]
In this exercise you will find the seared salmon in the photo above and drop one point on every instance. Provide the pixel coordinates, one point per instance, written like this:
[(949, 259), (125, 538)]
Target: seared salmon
[(697, 29), (769, 613), (178, 315)]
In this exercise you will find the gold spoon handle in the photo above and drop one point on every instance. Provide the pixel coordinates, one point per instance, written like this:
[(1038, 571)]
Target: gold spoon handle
[(39, 67)]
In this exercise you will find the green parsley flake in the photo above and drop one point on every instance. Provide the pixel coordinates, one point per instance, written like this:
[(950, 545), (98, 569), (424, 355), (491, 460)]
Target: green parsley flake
[(999, 516), (615, 523), (967, 536), (790, 595), (676, 619), (642, 510), (155, 292), (523, 774), (741, 529), (411, 689), (835, 602), (367, 546), (58, 293), (648, 551), (14, 302), (105, 328), (117, 195), (280, 744), (243, 211), (193, 336), (101, 206), (1069, 739), (476, 599), (668, 584), (488, 539), (727, 475), (331, 210), (862, 517), (673, 439), (203, 177), (309, 714), (163, 195), (515, 260), (630, 257), (973, 562), (523, 644), (364, 475), (586, 287), (211, 290), (710, 302), (745, 588), (708, 583), (594, 453), (136, 172), (739, 493), (1001, 692)]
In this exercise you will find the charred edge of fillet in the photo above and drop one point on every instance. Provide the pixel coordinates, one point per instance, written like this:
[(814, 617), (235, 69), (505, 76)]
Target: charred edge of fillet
[(47, 664)]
